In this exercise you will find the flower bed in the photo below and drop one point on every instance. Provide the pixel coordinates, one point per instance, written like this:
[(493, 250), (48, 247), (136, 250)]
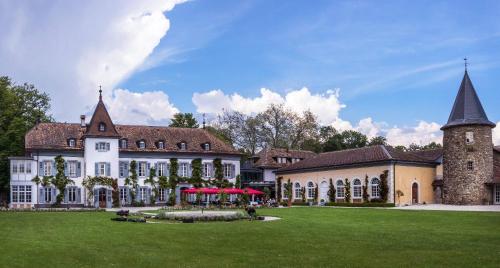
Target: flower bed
[(205, 216), (360, 204)]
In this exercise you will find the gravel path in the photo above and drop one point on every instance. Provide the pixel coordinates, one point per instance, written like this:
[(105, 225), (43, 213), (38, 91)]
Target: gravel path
[(493, 208)]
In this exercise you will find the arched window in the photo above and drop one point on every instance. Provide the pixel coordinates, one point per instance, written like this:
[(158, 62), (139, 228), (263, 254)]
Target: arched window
[(102, 127), (356, 188), (297, 190), (375, 188), (310, 190), (340, 189)]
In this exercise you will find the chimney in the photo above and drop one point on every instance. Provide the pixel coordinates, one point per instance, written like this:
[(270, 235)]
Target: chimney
[(82, 120)]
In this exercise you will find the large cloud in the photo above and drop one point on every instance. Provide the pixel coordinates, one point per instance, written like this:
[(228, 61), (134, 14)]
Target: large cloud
[(68, 49), (327, 106)]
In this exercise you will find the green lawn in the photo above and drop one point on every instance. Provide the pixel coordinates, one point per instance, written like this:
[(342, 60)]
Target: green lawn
[(304, 237)]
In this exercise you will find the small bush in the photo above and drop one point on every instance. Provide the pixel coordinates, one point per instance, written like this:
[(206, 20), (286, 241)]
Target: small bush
[(300, 203)]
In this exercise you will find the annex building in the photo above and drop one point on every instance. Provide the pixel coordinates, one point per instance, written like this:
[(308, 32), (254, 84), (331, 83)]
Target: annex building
[(102, 149), (465, 171)]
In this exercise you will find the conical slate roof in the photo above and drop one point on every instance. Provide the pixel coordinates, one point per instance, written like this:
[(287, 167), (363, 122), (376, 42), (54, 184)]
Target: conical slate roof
[(101, 115), (467, 109)]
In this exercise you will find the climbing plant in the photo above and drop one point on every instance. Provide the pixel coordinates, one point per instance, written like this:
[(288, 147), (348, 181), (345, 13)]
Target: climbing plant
[(154, 185), (384, 187), (366, 196), (90, 182), (331, 192), (218, 173), (238, 181), (132, 180), (347, 191), (303, 194), (278, 189), (60, 181), (289, 192), (196, 174), (316, 192), (173, 180)]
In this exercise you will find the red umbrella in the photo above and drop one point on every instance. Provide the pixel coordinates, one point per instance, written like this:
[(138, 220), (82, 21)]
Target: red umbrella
[(202, 190), (251, 191), (233, 191)]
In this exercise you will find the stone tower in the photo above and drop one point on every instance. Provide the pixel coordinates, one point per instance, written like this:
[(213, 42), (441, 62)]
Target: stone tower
[(468, 150)]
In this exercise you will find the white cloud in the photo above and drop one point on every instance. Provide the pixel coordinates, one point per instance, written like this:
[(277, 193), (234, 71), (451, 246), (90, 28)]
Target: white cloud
[(150, 108), (496, 134), (68, 49), (326, 106)]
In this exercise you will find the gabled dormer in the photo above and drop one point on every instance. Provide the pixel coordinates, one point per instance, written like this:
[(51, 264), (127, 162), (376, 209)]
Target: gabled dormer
[(101, 124)]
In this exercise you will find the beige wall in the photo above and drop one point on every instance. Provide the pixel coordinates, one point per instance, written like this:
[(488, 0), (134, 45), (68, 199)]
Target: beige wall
[(407, 175), (335, 174)]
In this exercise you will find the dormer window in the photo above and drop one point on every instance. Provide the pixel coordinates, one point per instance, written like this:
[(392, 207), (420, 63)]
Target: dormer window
[(71, 142), (123, 144), (102, 127), (469, 138), (161, 145), (183, 146), (141, 144), (206, 146)]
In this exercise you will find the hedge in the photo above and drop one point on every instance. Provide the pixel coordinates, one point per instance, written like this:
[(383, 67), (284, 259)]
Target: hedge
[(360, 204)]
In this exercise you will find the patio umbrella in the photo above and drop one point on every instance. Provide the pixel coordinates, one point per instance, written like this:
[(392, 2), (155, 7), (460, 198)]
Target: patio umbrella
[(251, 191)]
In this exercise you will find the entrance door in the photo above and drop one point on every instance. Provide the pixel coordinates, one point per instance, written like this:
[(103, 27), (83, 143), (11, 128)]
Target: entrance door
[(323, 191), (414, 193), (102, 198)]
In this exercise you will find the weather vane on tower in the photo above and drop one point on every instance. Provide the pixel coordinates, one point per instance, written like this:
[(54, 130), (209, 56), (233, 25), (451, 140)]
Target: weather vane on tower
[(465, 62)]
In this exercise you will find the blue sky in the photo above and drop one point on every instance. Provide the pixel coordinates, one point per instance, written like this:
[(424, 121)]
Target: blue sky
[(396, 61), (388, 68)]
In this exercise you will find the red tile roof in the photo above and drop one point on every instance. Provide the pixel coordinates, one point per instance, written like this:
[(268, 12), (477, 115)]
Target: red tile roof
[(101, 116), (366, 155), (267, 158), (47, 136)]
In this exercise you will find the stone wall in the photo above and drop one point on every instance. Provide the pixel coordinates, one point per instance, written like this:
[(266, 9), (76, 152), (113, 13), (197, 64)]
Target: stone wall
[(461, 186)]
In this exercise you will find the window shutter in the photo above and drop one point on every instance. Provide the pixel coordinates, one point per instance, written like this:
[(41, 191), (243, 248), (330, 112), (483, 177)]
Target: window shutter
[(53, 197), (96, 198), (41, 196), (148, 168), (78, 195), (126, 169), (156, 168), (78, 169), (179, 169), (109, 198), (128, 195), (97, 146), (65, 168), (233, 171), (40, 169), (189, 170), (167, 171), (108, 169), (138, 194), (53, 168), (66, 197), (96, 169), (107, 146), (148, 196)]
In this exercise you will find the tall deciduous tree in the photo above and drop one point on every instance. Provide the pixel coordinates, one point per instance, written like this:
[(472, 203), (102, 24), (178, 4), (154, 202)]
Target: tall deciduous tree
[(20, 108), (184, 120)]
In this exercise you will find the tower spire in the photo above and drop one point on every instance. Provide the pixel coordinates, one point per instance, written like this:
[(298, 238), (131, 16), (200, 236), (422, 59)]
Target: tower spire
[(203, 120), (100, 93), (465, 62)]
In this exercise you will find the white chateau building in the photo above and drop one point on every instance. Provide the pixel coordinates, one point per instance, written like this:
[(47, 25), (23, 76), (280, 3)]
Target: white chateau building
[(101, 148)]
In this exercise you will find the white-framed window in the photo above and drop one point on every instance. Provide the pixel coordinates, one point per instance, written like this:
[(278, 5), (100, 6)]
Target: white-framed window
[(47, 168), (72, 142), (469, 137), (21, 167), (183, 146), (285, 195), (102, 146), (470, 166), (161, 169), (72, 194), (101, 169), (356, 188), (123, 169), (297, 190), (142, 169), (206, 146), (123, 143), (228, 170), (161, 145), (72, 169), (102, 127), (14, 167), (375, 188), (28, 167), (161, 195), (123, 195), (207, 170), (310, 190), (340, 189), (47, 194), (143, 193), (184, 169), (21, 193), (142, 144)]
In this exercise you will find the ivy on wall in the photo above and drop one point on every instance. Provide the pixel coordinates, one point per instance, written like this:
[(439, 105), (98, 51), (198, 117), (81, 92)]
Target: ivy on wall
[(331, 192), (173, 180), (278, 189), (347, 191), (196, 174), (303, 194), (366, 196), (132, 179), (154, 185), (90, 182)]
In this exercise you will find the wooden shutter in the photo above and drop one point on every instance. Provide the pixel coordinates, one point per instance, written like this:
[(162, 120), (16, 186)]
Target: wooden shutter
[(189, 170), (96, 198), (126, 169), (107, 146), (40, 169), (53, 168), (97, 146), (96, 169), (41, 196), (108, 169), (128, 195), (233, 171), (65, 168), (53, 197), (148, 195), (66, 197), (148, 168), (78, 195), (78, 169)]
